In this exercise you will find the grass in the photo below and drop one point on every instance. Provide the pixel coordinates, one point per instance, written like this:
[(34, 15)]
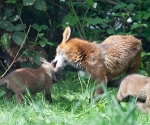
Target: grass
[(71, 107)]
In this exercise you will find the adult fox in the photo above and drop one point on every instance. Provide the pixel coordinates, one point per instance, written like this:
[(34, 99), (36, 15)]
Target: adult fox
[(103, 62)]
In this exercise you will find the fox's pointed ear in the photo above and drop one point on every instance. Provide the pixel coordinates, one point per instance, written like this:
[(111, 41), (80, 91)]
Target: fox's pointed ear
[(66, 34), (43, 60)]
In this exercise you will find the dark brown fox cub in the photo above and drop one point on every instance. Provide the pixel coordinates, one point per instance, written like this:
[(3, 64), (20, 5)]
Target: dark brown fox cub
[(137, 86), (34, 80)]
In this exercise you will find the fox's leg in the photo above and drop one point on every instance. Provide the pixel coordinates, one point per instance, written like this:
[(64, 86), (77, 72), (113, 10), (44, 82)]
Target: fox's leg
[(47, 94), (19, 97), (148, 101), (99, 89), (8, 94)]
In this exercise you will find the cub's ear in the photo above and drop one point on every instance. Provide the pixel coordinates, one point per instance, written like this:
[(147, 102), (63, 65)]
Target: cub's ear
[(66, 34), (42, 60)]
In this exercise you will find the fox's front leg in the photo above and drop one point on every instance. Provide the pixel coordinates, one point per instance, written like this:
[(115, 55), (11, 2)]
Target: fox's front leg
[(99, 89)]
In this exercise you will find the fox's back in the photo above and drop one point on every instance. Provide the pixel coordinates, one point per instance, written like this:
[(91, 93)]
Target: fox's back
[(119, 51)]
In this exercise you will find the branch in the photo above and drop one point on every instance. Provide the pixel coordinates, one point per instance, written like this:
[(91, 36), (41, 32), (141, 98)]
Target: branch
[(17, 53)]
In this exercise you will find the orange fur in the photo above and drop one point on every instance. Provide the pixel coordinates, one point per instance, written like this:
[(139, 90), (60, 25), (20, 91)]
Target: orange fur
[(115, 55)]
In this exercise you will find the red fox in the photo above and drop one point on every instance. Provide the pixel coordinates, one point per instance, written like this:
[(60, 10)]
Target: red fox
[(35, 80), (137, 86), (104, 61)]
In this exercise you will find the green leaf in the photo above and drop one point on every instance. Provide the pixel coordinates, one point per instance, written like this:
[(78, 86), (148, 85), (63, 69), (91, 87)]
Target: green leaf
[(4, 24), (28, 2), (70, 20), (120, 6), (110, 31), (40, 35), (37, 27), (42, 43), (20, 27), (49, 43), (14, 18), (10, 27), (90, 2), (8, 11), (18, 37), (40, 5), (5, 41), (26, 64), (138, 25), (44, 27), (36, 58), (95, 21)]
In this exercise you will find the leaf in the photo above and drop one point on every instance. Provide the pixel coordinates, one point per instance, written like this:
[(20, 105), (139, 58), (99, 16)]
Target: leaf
[(44, 27), (37, 27), (4, 24), (18, 37), (40, 35), (49, 43), (14, 18), (138, 25), (120, 6), (42, 43), (5, 41), (36, 58), (70, 20), (8, 11), (110, 31), (40, 5), (90, 2), (20, 27), (95, 21), (26, 64), (28, 2), (10, 27)]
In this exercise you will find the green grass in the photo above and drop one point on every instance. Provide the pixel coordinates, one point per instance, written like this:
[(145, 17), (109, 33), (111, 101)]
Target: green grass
[(71, 107)]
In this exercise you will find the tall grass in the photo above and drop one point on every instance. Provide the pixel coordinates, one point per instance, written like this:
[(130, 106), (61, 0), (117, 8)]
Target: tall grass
[(71, 106)]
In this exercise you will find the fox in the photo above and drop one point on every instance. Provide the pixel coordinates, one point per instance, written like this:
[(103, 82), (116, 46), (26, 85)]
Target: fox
[(33, 80), (103, 61), (135, 85)]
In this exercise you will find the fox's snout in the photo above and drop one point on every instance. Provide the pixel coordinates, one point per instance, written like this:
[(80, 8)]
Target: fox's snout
[(56, 68)]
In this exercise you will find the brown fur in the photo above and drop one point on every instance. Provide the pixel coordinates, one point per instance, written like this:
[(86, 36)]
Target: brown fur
[(35, 80), (11, 52), (115, 55), (137, 86)]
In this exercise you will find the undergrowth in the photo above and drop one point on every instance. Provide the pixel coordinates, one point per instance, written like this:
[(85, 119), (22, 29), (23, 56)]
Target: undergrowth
[(71, 106)]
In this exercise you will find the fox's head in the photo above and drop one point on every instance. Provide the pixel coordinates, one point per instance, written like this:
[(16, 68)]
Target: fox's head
[(73, 51), (61, 60)]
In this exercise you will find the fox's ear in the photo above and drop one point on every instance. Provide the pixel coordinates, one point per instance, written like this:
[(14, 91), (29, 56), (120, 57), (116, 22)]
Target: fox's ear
[(42, 60), (66, 34)]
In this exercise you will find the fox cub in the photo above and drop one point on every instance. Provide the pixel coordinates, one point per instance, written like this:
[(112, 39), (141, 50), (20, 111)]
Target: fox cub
[(137, 86), (35, 80)]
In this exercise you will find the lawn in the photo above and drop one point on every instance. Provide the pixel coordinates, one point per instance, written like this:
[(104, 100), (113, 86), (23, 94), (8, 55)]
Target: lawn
[(71, 106)]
